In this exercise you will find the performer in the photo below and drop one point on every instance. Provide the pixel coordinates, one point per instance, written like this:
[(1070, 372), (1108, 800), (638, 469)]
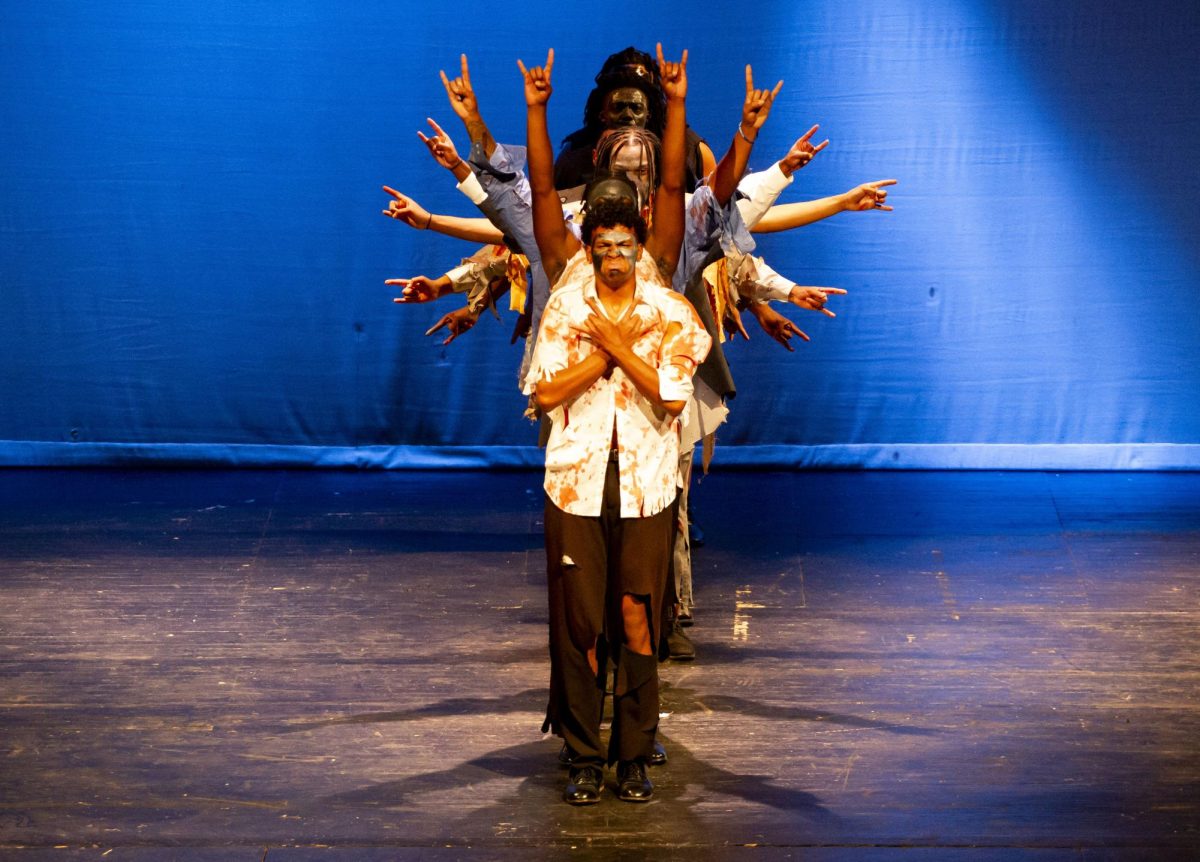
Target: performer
[(612, 369), (627, 93)]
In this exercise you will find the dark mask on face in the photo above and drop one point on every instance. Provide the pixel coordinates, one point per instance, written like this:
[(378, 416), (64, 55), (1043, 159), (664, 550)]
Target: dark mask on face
[(626, 106)]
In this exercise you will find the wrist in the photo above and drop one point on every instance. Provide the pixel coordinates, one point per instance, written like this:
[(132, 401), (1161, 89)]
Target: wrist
[(742, 134), (428, 221)]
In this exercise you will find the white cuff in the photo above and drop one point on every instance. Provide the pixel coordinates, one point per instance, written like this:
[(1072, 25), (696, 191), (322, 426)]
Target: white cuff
[(674, 384), (472, 189)]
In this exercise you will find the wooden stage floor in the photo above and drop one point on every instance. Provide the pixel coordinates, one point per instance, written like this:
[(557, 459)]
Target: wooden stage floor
[(351, 666)]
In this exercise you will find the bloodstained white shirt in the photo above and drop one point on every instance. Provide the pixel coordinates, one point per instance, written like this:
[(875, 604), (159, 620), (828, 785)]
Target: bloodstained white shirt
[(582, 427)]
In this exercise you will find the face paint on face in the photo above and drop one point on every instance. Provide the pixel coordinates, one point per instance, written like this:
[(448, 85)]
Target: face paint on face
[(625, 106), (614, 255), (633, 163)]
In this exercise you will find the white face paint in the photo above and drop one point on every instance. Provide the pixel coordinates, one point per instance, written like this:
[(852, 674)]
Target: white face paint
[(633, 163), (614, 255)]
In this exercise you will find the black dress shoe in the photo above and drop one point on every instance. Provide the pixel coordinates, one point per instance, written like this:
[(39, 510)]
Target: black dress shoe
[(679, 645), (632, 783), (659, 757), (583, 785)]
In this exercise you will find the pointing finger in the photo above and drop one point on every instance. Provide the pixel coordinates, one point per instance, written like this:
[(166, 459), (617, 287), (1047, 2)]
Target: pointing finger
[(837, 290), (391, 191), (873, 185), (549, 63), (749, 80)]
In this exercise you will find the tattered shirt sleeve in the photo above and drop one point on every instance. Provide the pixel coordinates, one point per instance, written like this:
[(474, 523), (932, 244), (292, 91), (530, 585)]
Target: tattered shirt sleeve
[(550, 349), (683, 349)]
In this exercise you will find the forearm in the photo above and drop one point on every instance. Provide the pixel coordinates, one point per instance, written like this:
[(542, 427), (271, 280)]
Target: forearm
[(667, 234), (477, 230), (753, 279), (788, 216), (548, 228), (478, 132), (732, 165), (570, 382)]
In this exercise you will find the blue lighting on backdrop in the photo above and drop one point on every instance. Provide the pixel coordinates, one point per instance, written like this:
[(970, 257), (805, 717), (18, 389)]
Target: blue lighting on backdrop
[(192, 256)]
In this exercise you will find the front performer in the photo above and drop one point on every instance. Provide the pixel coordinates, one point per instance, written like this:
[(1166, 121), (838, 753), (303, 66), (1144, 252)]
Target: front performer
[(612, 369)]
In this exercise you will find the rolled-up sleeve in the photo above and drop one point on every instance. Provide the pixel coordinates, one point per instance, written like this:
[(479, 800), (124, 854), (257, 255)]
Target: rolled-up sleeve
[(685, 347)]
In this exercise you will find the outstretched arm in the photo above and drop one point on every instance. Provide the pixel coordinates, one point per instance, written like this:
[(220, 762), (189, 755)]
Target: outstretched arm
[(666, 235), (466, 107), (776, 325), (404, 209), (868, 196), (755, 109), (555, 243)]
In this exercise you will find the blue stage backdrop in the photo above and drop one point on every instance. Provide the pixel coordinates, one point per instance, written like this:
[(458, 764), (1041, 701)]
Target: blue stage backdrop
[(192, 252)]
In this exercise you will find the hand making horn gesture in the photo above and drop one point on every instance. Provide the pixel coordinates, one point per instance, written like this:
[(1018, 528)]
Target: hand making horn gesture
[(756, 107), (673, 75), (461, 93), (537, 81), (801, 152), (869, 196)]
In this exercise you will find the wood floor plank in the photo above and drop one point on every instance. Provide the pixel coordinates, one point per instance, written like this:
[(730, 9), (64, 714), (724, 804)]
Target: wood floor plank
[(353, 665)]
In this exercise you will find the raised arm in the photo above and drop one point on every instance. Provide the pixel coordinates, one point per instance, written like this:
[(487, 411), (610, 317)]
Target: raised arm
[(466, 107), (666, 235), (755, 109), (555, 243)]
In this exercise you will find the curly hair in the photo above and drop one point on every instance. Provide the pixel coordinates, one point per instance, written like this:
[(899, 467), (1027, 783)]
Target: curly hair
[(613, 213)]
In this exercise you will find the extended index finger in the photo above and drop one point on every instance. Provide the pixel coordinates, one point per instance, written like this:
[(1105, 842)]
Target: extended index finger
[(549, 62), (749, 80), (873, 185), (391, 191), (466, 73), (658, 50)]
